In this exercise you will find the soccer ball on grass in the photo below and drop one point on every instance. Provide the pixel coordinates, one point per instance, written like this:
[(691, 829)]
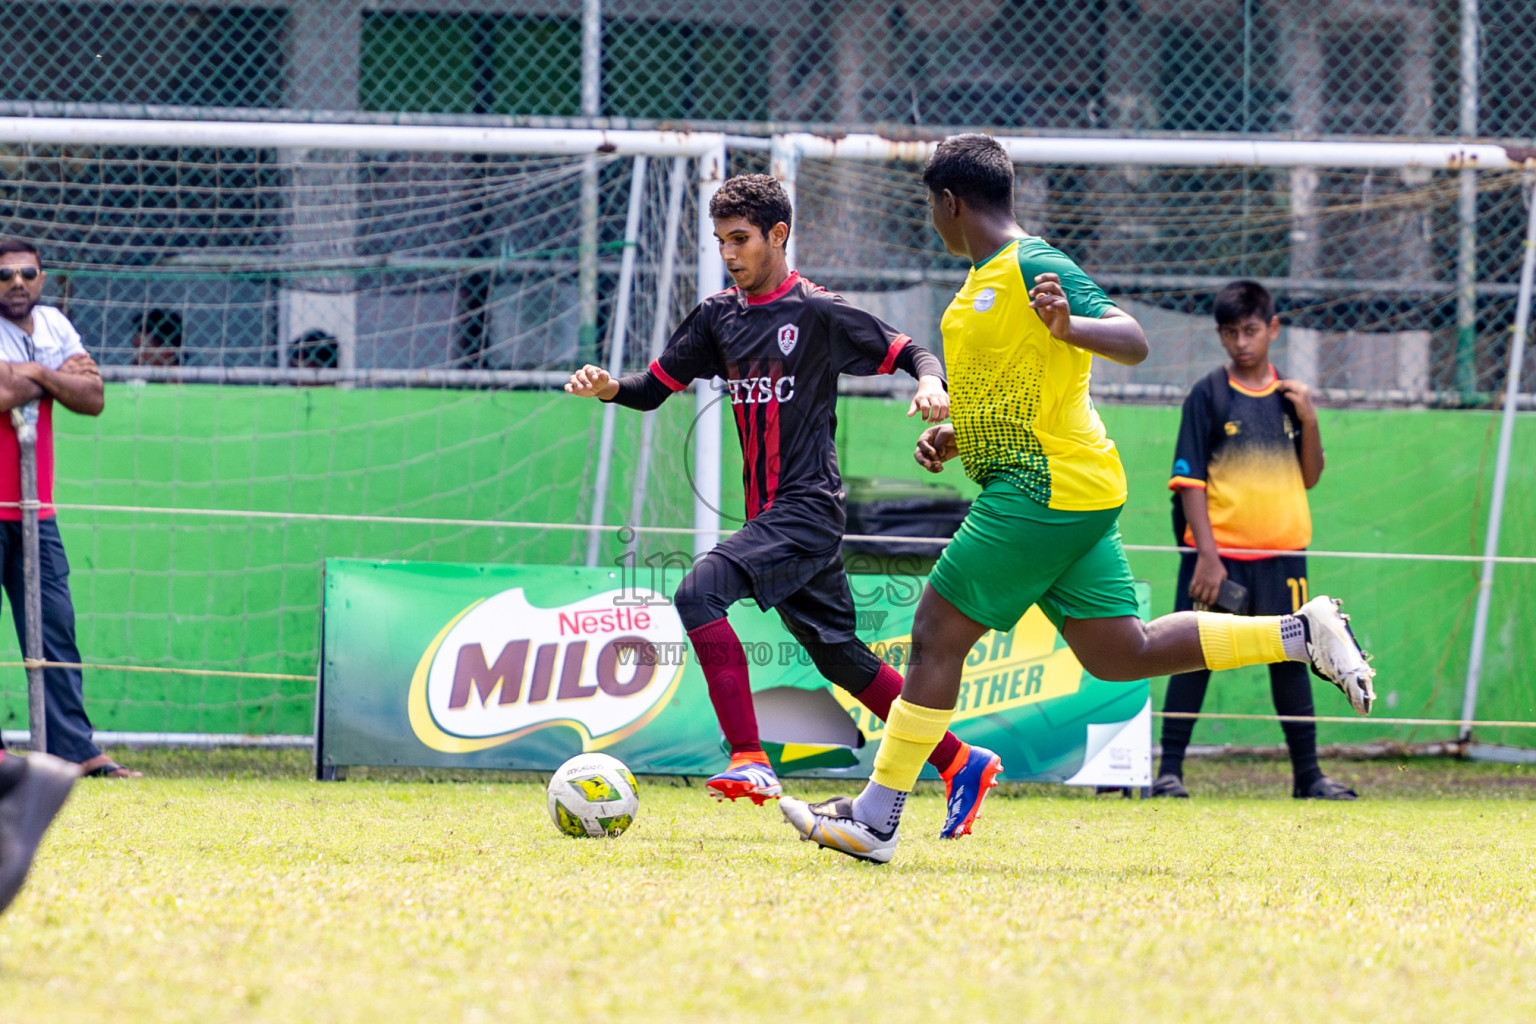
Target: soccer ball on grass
[(593, 795)]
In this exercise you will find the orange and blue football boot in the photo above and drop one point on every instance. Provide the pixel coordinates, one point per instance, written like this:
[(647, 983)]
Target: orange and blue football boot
[(974, 771), (749, 779)]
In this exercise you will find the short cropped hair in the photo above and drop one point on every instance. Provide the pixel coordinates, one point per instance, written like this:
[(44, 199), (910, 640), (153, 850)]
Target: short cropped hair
[(974, 167), (10, 244), (759, 198), (1241, 300)]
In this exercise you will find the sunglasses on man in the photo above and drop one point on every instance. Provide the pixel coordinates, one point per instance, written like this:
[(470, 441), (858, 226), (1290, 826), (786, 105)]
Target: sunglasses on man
[(27, 273)]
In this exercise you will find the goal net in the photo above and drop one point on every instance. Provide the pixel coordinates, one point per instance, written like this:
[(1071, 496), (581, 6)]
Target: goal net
[(320, 344), (316, 352), (1397, 288)]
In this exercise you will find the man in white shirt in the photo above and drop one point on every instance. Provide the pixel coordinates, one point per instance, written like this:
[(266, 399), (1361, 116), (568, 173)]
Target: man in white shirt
[(43, 362)]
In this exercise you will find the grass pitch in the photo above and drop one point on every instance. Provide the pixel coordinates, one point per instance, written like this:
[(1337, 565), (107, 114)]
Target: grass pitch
[(221, 890)]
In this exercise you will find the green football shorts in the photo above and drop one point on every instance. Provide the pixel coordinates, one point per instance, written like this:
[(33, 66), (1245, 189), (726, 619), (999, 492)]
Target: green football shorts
[(1012, 552)]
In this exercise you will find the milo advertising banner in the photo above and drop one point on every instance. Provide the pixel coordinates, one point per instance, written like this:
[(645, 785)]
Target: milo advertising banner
[(522, 667)]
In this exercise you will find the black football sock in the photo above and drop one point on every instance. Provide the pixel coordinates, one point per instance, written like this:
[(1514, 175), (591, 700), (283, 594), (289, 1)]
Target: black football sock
[(1291, 687), (1186, 692)]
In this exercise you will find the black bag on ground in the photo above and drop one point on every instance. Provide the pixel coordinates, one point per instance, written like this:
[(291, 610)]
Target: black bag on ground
[(892, 508)]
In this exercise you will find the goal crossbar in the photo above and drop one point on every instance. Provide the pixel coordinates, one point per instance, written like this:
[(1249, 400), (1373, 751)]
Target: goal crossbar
[(393, 138), (1153, 152)]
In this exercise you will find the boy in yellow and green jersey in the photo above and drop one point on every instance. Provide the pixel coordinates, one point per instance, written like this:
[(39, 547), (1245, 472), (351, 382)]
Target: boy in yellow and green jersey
[(1027, 415), (1019, 341)]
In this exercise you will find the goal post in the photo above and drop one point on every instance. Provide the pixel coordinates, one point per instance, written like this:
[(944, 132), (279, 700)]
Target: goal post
[(258, 242), (247, 218)]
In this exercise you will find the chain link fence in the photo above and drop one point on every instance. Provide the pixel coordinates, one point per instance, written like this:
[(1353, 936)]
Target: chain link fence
[(281, 259), (1357, 67), (275, 263)]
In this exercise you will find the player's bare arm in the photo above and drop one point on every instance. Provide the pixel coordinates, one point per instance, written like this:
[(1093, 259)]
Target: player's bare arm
[(592, 382), (932, 400), (936, 446), (76, 385), (1205, 585), (1116, 335), (1312, 459), (16, 388)]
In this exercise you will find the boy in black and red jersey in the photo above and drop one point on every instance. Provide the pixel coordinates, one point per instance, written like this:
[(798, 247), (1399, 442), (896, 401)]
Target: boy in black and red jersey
[(1248, 451), (779, 342)]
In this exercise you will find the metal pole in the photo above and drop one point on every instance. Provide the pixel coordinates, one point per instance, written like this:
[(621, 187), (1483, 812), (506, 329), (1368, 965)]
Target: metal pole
[(661, 327), (707, 423), (591, 106), (616, 339), (784, 164), (25, 422), (1466, 209), (1501, 468)]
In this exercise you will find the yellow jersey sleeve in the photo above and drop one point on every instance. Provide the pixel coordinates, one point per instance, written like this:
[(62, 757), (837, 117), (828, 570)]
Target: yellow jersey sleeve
[(1020, 400)]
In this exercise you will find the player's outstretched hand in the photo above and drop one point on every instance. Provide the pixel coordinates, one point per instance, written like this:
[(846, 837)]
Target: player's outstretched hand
[(936, 446), (931, 399), (591, 382), (1049, 299)]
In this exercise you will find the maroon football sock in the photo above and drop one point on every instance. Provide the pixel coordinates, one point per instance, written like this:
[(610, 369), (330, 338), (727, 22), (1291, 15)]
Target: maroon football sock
[(725, 669), (877, 697)]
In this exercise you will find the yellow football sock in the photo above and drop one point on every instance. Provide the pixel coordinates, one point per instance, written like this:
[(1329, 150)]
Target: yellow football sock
[(911, 733), (1232, 641)]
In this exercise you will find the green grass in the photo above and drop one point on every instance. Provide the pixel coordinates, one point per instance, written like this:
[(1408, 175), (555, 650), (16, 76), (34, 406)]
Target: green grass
[(228, 888)]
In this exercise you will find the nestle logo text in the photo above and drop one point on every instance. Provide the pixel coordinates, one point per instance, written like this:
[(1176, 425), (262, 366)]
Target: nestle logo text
[(609, 620)]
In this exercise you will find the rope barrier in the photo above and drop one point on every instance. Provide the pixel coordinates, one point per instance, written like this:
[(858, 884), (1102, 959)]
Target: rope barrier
[(158, 669), (520, 524), (1347, 720)]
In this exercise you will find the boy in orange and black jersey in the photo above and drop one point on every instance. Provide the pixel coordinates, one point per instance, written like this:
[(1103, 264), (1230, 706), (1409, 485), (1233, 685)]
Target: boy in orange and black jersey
[(1248, 452)]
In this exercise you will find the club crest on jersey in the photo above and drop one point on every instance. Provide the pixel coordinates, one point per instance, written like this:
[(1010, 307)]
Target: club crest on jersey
[(789, 335)]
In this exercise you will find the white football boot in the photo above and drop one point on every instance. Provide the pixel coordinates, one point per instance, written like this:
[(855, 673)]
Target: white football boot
[(832, 824), (1336, 655)]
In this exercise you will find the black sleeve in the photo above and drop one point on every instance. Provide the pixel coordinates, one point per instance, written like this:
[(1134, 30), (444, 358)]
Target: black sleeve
[(1193, 452), (862, 343), (691, 353), (643, 391), (918, 361)]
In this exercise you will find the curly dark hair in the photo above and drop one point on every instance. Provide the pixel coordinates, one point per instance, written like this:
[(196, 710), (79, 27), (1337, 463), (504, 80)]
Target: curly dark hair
[(757, 197), (974, 167)]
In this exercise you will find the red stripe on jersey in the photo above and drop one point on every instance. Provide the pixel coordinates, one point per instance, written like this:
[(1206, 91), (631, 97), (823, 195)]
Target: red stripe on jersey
[(746, 457), (754, 496), (771, 448), (889, 365), (665, 377), (778, 293)]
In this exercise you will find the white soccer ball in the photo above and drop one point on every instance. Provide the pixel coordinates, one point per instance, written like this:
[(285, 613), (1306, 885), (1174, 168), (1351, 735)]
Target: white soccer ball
[(593, 795)]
